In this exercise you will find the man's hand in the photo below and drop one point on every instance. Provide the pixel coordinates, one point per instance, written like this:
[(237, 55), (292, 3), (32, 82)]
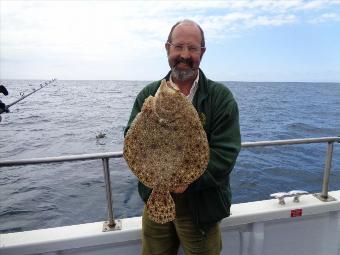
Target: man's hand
[(180, 188)]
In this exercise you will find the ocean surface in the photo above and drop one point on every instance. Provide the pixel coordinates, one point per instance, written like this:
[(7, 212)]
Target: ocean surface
[(65, 117)]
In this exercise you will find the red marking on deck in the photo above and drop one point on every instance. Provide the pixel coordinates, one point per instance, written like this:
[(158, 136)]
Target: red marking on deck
[(296, 213)]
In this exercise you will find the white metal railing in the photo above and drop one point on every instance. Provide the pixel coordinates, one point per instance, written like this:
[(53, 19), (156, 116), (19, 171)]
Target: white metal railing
[(111, 224)]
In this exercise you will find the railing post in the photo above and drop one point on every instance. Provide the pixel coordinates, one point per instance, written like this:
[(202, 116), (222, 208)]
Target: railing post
[(327, 171), (323, 196), (110, 224)]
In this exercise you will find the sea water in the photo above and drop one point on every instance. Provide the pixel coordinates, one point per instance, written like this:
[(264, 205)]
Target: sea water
[(66, 117)]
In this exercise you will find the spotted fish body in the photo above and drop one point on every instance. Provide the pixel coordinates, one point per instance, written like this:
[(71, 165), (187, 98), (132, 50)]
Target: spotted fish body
[(166, 146)]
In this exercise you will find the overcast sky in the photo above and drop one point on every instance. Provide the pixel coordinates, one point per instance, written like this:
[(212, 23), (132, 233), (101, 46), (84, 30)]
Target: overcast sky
[(100, 40)]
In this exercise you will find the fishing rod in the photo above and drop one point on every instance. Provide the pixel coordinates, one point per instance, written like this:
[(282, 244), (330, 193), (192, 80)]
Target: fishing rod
[(24, 96)]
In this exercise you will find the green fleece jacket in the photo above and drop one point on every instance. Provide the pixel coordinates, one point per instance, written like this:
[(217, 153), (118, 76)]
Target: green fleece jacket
[(209, 197)]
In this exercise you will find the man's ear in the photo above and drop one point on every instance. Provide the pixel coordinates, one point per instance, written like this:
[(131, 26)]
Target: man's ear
[(202, 52), (167, 47)]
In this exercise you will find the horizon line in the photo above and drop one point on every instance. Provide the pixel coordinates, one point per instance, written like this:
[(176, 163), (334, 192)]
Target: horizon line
[(152, 80)]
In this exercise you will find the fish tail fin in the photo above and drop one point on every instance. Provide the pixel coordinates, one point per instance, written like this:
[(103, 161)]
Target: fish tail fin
[(161, 207)]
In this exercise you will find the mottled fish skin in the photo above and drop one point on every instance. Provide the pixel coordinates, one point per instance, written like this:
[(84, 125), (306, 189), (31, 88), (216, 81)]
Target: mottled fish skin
[(166, 146), (160, 206)]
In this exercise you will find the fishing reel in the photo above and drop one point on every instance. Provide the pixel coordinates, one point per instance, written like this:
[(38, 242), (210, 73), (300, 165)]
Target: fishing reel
[(3, 90), (3, 107)]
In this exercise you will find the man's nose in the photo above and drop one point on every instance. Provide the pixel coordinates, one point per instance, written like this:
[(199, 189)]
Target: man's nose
[(185, 53)]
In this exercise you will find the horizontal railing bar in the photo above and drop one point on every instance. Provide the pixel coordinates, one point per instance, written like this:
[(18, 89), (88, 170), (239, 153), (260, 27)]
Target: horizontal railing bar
[(291, 142), (119, 154), (49, 160)]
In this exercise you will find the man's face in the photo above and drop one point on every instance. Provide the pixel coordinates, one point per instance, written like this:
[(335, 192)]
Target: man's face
[(185, 52)]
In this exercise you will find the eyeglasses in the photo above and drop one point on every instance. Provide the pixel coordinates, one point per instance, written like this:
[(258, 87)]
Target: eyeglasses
[(181, 47)]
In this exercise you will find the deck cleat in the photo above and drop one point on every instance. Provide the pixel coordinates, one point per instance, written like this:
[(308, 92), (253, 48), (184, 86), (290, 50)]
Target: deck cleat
[(281, 196), (296, 194)]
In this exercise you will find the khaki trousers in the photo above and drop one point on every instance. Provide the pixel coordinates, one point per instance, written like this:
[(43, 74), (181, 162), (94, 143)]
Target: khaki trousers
[(164, 239)]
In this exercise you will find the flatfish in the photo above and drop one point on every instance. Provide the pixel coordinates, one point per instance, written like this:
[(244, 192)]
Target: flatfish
[(166, 146)]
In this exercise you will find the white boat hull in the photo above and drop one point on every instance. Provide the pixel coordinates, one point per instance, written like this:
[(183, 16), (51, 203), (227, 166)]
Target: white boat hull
[(311, 227)]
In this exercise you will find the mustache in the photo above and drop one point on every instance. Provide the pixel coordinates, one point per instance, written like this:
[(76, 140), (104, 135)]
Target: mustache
[(187, 61)]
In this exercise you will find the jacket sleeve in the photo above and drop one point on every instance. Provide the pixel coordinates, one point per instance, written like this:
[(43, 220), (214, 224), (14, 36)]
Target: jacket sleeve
[(137, 107), (224, 141)]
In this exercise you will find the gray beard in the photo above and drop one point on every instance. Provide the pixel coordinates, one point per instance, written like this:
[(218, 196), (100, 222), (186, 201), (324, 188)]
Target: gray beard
[(183, 75)]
